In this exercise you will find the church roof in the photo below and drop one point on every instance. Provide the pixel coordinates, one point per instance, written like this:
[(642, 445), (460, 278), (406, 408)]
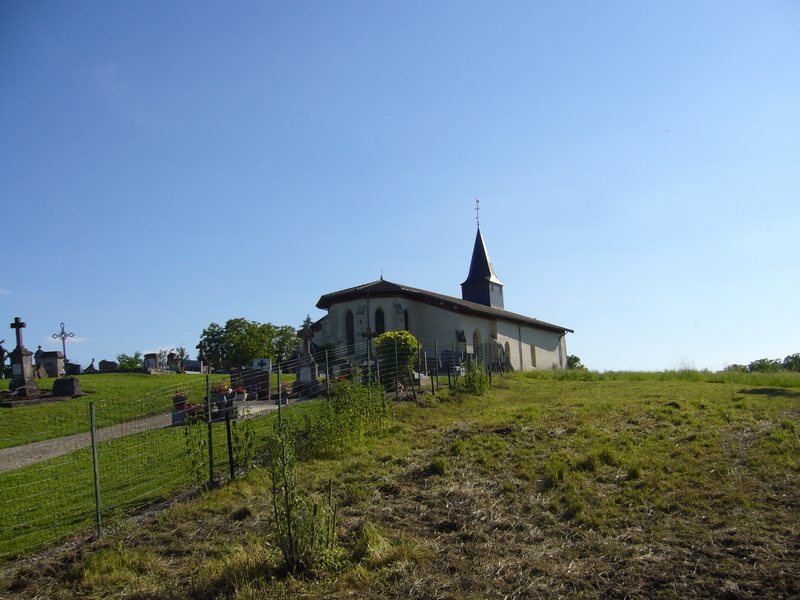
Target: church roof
[(383, 288), (480, 268)]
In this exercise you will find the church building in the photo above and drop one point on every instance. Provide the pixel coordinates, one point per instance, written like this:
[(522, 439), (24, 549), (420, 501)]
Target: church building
[(475, 324)]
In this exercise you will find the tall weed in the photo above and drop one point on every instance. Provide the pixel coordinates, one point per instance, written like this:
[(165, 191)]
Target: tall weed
[(303, 526)]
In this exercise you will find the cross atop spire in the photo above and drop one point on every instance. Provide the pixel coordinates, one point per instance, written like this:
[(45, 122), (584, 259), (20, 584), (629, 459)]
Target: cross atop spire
[(477, 212)]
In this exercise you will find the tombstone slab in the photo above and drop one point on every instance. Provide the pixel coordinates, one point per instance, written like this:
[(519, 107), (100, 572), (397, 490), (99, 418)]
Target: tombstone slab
[(67, 386)]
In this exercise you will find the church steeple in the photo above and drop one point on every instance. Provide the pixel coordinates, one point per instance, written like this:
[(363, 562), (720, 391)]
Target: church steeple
[(482, 285)]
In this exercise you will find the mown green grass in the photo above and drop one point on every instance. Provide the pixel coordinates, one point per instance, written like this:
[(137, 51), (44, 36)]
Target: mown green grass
[(48, 501), (118, 397)]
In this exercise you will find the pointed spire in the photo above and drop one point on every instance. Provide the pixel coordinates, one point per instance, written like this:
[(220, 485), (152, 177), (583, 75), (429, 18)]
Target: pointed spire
[(482, 284)]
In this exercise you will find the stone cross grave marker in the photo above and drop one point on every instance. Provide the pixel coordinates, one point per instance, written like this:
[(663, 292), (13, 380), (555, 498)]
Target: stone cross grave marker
[(22, 365)]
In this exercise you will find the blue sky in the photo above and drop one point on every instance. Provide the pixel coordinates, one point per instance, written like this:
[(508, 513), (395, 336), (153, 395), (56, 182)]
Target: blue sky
[(166, 165)]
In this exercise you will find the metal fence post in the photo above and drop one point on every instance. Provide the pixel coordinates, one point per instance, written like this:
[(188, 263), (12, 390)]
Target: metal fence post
[(210, 434), (436, 362), (451, 366), (96, 464), (396, 371), (327, 373), (280, 392), (230, 444)]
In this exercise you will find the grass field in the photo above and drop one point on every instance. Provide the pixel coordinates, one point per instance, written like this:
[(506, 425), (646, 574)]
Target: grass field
[(54, 499), (118, 397), (549, 486)]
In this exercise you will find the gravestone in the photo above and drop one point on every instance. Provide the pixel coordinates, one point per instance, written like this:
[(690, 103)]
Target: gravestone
[(51, 361), (91, 368), (255, 381), (23, 381), (3, 355), (195, 366), (108, 366), (67, 386), (73, 369), (265, 364), (151, 361), (174, 363), (307, 369)]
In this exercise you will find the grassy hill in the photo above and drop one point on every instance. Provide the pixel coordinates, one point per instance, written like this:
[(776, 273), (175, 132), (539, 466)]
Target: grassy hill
[(612, 486)]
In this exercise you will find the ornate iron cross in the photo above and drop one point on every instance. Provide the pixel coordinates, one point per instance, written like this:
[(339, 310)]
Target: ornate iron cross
[(63, 336)]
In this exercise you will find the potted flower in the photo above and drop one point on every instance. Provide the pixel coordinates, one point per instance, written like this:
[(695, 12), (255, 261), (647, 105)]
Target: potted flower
[(241, 393), (179, 400), (195, 413)]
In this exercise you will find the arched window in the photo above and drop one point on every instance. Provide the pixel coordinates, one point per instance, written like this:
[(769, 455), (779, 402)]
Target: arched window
[(476, 346), (350, 332), (380, 324)]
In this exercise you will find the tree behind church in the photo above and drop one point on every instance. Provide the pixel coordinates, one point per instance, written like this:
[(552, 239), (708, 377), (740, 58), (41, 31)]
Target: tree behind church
[(241, 341)]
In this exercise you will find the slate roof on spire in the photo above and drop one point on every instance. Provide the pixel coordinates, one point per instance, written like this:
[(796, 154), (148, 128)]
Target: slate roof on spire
[(480, 269)]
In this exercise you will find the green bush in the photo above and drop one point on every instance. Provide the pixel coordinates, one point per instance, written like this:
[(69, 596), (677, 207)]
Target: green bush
[(476, 379), (350, 412), (397, 352)]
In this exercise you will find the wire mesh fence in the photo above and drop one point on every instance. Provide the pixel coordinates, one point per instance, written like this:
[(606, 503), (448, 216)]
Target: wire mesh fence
[(72, 479)]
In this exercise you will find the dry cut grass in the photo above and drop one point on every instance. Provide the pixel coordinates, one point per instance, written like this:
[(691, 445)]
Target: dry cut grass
[(540, 489)]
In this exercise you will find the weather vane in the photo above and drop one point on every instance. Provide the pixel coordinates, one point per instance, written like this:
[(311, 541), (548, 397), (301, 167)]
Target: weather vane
[(63, 336), (477, 211)]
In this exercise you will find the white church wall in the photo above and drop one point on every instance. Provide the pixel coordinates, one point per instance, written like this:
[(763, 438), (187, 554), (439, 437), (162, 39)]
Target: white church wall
[(549, 351), (509, 333), (429, 322)]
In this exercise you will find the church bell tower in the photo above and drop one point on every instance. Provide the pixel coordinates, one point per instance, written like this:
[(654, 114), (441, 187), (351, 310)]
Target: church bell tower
[(482, 285)]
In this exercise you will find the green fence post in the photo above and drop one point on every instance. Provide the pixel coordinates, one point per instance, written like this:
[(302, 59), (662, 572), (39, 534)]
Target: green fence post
[(436, 362), (229, 433), (96, 463), (280, 391), (396, 371), (327, 373), (210, 434)]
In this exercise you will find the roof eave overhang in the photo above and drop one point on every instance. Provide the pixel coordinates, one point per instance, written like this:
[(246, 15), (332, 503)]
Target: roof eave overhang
[(440, 301)]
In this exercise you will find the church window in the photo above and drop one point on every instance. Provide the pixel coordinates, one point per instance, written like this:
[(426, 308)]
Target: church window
[(405, 318), (476, 346), (350, 332), (380, 324), (533, 356)]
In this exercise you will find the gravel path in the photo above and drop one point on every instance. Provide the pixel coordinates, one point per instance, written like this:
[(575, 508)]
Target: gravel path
[(30, 454)]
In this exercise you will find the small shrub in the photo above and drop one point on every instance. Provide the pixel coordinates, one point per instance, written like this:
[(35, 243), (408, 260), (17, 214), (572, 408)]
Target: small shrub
[(304, 527), (195, 438), (608, 457), (554, 474), (438, 466), (476, 379), (458, 447)]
